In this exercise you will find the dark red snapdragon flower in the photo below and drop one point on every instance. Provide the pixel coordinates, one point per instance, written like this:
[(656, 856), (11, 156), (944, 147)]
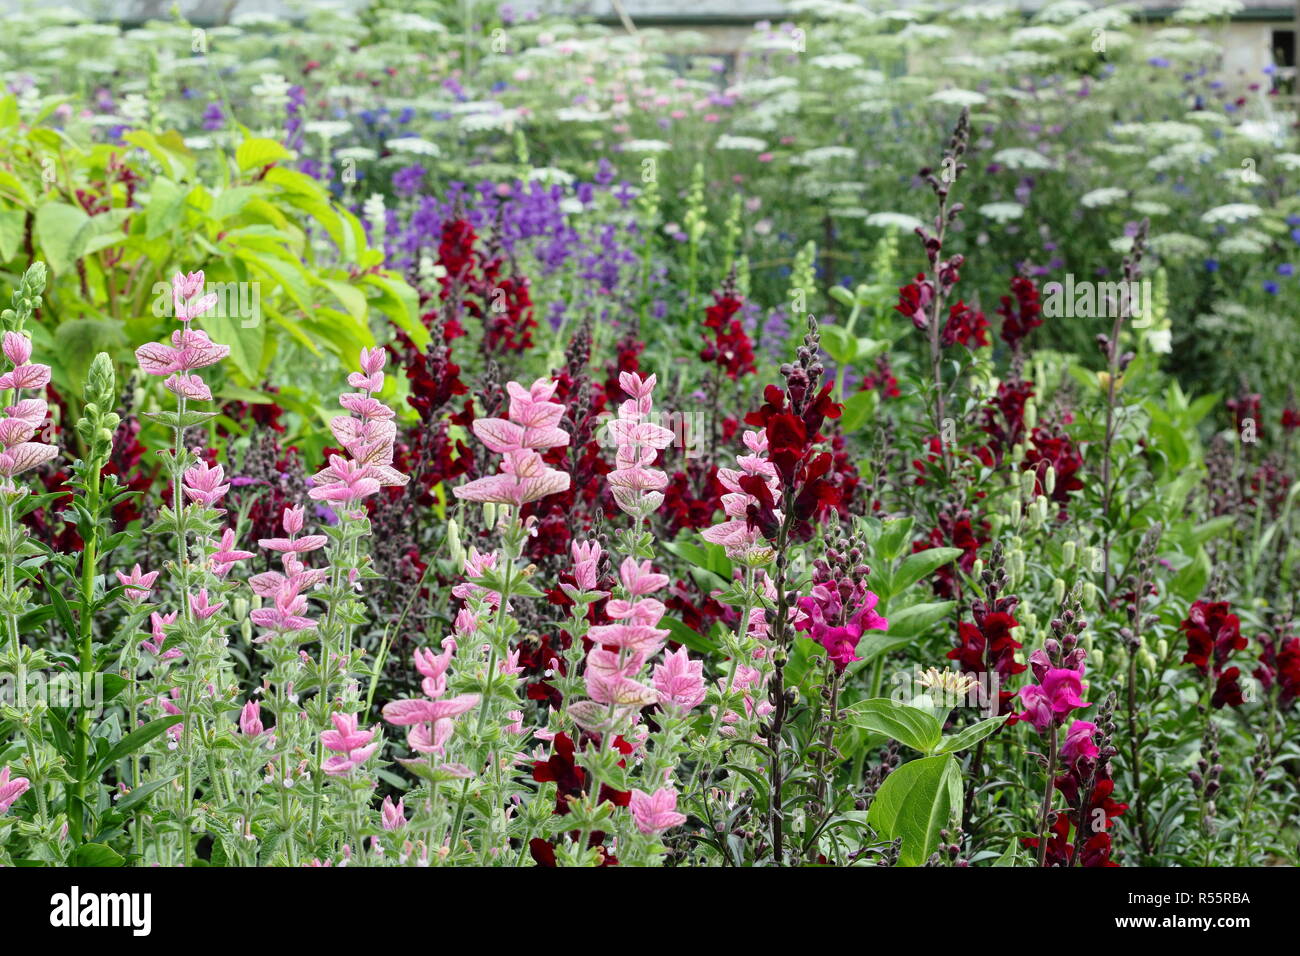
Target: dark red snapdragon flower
[(1053, 447), (1003, 419), (954, 530), (1279, 666), (730, 348), (882, 380), (986, 648), (1021, 311), (1213, 633)]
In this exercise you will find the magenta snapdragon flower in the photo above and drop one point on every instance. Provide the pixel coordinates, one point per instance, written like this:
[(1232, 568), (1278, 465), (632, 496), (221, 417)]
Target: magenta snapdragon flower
[(823, 609), (1059, 691)]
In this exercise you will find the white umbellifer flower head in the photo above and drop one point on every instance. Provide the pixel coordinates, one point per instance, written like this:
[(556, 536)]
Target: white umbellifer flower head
[(1178, 245), (894, 220), (579, 114), (415, 145), (646, 146), (551, 174), (1245, 244), (836, 61), (1288, 160), (958, 97), (1199, 11), (362, 154), (1020, 158), (748, 144), (273, 91), (500, 119), (134, 108), (374, 212), (327, 129), (1232, 212), (1149, 208), (1106, 196), (1002, 211), (825, 154)]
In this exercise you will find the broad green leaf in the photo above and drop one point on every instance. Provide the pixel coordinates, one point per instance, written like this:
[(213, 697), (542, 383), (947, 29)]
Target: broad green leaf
[(95, 854), (135, 740), (13, 223), (914, 803), (688, 636), (911, 621), (922, 564), (893, 538), (970, 736), (908, 725), (857, 411), (58, 228), (253, 153)]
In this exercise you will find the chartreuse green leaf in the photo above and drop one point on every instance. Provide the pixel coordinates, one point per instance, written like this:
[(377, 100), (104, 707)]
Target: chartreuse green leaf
[(912, 726), (914, 803)]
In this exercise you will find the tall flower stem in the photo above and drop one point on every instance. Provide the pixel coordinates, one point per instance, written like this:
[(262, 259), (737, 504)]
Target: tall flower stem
[(1048, 788)]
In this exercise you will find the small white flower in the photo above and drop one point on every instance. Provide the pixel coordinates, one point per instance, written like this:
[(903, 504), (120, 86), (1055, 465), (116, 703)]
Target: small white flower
[(1106, 196), (1002, 211), (1232, 212), (1020, 158), (958, 97), (744, 143), (646, 146), (413, 144), (327, 129), (894, 220)]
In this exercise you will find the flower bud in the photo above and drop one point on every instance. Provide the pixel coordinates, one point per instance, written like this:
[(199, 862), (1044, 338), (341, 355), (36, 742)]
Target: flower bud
[(1148, 662), (1015, 512), (1049, 480), (1027, 480), (1068, 553), (1031, 415), (1058, 591), (1089, 594), (454, 547), (1162, 648)]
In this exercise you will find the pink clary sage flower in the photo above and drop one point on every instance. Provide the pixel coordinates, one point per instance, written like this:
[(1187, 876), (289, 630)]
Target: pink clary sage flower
[(190, 349), (655, 812), (739, 538), (11, 790), (18, 453), (367, 435), (431, 720), (250, 720), (532, 426), (138, 585), (637, 488), (352, 745)]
